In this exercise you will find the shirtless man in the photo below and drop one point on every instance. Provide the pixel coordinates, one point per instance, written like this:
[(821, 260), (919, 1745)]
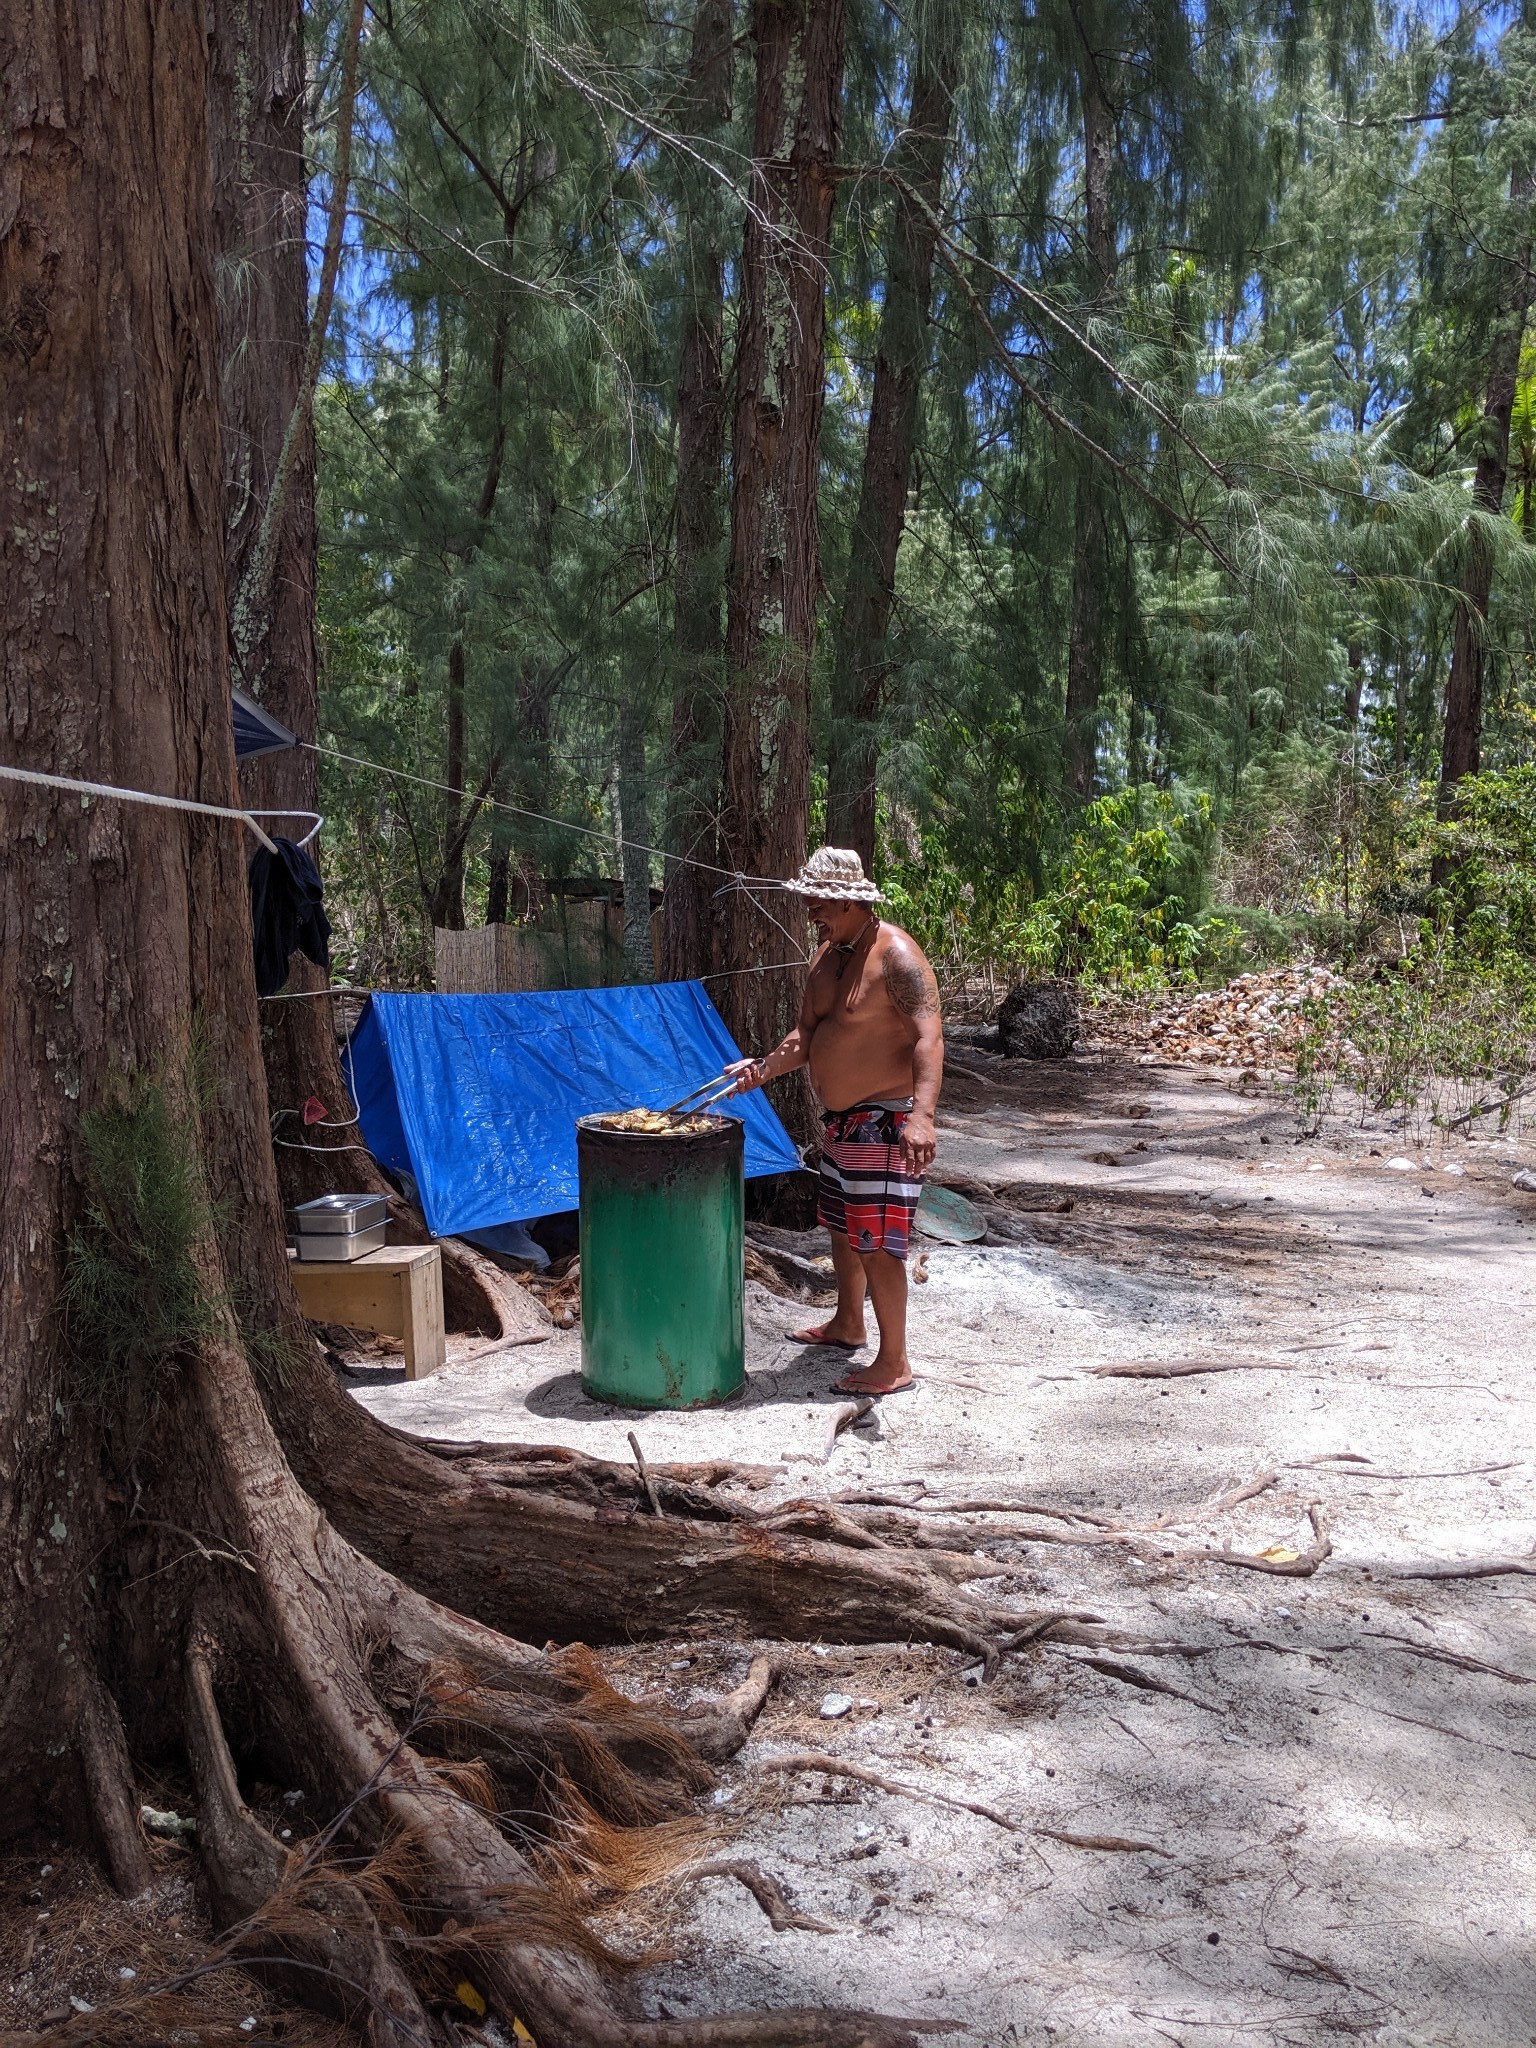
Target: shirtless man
[(869, 1030)]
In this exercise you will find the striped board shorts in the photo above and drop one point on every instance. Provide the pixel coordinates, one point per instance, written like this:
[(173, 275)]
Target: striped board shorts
[(866, 1190)]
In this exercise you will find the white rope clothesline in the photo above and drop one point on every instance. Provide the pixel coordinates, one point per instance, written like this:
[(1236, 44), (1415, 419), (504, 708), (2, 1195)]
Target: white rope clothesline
[(162, 802)]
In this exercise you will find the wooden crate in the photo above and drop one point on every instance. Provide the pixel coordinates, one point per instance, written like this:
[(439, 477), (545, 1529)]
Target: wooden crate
[(398, 1291)]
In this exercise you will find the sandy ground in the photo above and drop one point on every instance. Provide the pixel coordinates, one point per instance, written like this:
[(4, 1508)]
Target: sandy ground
[(1331, 1777)]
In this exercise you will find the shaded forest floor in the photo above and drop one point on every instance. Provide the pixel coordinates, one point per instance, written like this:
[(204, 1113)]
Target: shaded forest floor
[(1295, 1809), (1341, 1798)]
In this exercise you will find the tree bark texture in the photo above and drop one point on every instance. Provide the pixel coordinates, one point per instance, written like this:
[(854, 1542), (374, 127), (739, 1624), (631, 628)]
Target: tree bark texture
[(861, 677), (698, 583), (774, 576), (121, 928), (1085, 643), (1461, 743)]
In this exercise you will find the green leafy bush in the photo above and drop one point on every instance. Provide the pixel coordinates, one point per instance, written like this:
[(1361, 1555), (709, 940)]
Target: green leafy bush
[(1123, 907)]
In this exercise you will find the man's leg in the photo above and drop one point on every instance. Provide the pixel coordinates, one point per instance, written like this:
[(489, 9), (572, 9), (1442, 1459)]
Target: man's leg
[(886, 1278), (847, 1324)]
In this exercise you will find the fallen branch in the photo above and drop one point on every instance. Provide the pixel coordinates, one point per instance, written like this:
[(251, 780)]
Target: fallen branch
[(783, 1918), (833, 1767)]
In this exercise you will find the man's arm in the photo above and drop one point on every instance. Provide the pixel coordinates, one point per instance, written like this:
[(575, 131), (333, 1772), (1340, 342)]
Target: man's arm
[(791, 1052), (914, 993)]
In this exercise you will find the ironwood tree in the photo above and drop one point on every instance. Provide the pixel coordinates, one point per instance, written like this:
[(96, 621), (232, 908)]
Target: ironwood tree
[(773, 577), (217, 1562)]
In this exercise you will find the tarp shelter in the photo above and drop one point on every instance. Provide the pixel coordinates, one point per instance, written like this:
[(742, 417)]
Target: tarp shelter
[(478, 1095), (256, 731)]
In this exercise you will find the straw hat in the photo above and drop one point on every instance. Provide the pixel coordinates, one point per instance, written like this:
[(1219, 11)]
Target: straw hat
[(835, 874)]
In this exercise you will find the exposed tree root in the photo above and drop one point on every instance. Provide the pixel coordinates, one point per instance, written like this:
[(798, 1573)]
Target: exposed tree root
[(834, 1767), (108, 1776), (1402, 1646), (1301, 1566), (1470, 1568), (321, 1923), (783, 1918), (485, 1854), (1127, 1674), (494, 1534)]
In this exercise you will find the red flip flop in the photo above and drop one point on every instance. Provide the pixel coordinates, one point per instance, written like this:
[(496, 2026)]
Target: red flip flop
[(819, 1336), (874, 1393)]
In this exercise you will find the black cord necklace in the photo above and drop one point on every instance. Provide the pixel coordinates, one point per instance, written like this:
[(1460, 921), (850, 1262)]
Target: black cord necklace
[(846, 951)]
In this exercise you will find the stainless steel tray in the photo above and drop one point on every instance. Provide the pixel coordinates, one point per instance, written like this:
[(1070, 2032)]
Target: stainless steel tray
[(337, 1215), (337, 1245)]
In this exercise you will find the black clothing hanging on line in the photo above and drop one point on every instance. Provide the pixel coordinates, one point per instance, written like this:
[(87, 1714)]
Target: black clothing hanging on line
[(287, 913)]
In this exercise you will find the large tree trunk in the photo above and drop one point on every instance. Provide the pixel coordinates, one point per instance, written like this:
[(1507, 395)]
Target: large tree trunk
[(170, 1579), (775, 560), (1460, 746), (1085, 643), (256, 140), (698, 583), (861, 676)]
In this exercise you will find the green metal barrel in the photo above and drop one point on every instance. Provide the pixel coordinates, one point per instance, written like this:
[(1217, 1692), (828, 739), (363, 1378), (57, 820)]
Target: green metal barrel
[(662, 1275)]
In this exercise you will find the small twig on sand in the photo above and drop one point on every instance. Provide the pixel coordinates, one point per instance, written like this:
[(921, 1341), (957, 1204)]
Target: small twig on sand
[(1303, 1965), (1181, 1368), (645, 1476), (783, 1918), (847, 1416), (1119, 1842), (809, 1760)]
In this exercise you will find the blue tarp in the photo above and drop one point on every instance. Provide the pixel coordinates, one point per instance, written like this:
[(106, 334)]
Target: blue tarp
[(478, 1096)]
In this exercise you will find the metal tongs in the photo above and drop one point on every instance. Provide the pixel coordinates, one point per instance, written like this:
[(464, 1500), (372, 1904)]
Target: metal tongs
[(691, 1102)]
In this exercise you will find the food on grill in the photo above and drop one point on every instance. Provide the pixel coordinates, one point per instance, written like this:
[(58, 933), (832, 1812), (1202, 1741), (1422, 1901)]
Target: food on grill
[(655, 1122)]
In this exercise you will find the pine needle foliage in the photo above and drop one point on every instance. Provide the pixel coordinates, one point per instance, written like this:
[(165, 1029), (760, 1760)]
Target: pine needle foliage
[(135, 1300)]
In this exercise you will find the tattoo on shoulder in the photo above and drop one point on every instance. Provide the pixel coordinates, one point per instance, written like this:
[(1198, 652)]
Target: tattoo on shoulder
[(910, 984)]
